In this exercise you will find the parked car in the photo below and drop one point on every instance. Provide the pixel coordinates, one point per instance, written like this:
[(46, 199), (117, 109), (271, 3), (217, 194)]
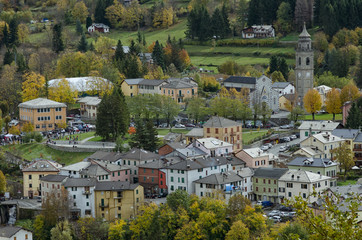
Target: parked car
[(274, 213), (266, 203), (275, 218), (286, 139), (264, 148), (179, 125), (285, 208), (293, 137), (285, 126), (269, 145), (282, 148), (190, 125)]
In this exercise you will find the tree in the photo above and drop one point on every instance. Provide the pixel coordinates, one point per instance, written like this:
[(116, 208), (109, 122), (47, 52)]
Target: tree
[(145, 136), (277, 77), (170, 108), (13, 39), (178, 199), (296, 113), (284, 18), (359, 72), (90, 228), (349, 93), (104, 45), (344, 155), (27, 127), (23, 32), (119, 54), (158, 55), (58, 44), (78, 27), (237, 205), (333, 102), (10, 90), (327, 78), (293, 231), (61, 91), (8, 57), (196, 108), (114, 14), (88, 22), (83, 45), (116, 230), (61, 230), (32, 85), (113, 116), (273, 64), (40, 232), (238, 231), (312, 101), (265, 113), (80, 11), (14, 130), (2, 183), (217, 106)]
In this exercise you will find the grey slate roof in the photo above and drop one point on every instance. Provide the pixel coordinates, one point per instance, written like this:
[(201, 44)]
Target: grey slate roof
[(345, 133), (133, 81), (199, 163), (238, 79), (41, 103), (358, 138), (114, 186), (156, 164), (344, 191), (140, 154), (106, 156), (280, 84), (176, 145), (80, 182), (91, 101), (220, 178), (9, 231), (111, 167), (178, 85), (150, 82), (216, 121), (41, 166), (274, 173), (188, 152), (195, 132), (53, 178), (93, 170), (311, 162)]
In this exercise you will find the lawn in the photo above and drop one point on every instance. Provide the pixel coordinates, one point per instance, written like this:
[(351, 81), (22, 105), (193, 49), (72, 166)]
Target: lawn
[(36, 150), (164, 132), (81, 136), (324, 117), (347, 182), (250, 136)]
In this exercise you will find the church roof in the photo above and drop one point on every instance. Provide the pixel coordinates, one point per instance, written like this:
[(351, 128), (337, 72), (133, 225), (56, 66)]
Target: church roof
[(304, 32)]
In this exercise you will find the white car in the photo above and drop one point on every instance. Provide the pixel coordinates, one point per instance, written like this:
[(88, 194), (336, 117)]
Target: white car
[(282, 149), (293, 137), (264, 148), (274, 213), (275, 218), (286, 139), (269, 145), (179, 125)]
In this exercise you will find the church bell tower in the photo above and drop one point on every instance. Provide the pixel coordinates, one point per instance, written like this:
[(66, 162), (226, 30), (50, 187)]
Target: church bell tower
[(304, 65)]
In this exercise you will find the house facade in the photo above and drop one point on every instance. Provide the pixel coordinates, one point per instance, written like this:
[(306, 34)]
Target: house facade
[(130, 86), (152, 178), (89, 106), (81, 193), (51, 184), (308, 128), (265, 183), (15, 233), (99, 27), (117, 200), (323, 90), (224, 130), (43, 113), (283, 88), (322, 166), (255, 158), (148, 86), (34, 172), (258, 31), (357, 150), (213, 147), (302, 183), (180, 89)]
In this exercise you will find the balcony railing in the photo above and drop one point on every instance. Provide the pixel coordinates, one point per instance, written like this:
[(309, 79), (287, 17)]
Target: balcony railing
[(86, 192), (118, 197)]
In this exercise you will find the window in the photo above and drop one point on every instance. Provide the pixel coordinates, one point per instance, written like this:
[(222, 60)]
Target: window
[(30, 185), (325, 183), (289, 185), (269, 181), (29, 177), (172, 188), (303, 186), (171, 170), (216, 130), (144, 179), (264, 189), (264, 181), (74, 196), (269, 190), (183, 180), (226, 130), (281, 189), (161, 176), (171, 179), (87, 204), (306, 134), (256, 180), (304, 195), (307, 61), (152, 179), (178, 179), (152, 171), (289, 194), (275, 181), (208, 130), (300, 61), (257, 189)]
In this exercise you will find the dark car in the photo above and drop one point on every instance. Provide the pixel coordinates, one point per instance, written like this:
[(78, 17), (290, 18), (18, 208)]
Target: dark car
[(161, 195), (190, 125), (266, 203)]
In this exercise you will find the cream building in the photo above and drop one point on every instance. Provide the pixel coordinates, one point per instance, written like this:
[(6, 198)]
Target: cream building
[(89, 106), (43, 113)]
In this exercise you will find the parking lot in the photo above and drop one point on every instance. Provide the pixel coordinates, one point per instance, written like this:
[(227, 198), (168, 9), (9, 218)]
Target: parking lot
[(277, 213)]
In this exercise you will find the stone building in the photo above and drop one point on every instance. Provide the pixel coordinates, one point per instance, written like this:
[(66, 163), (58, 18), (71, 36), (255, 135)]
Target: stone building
[(304, 66)]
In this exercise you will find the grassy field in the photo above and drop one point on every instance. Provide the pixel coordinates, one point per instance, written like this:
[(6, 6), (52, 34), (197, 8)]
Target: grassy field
[(324, 117), (177, 130), (347, 182), (249, 136), (36, 150)]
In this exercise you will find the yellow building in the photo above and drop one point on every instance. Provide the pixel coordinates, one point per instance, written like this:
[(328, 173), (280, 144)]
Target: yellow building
[(43, 113), (287, 99), (32, 174), (130, 86), (180, 90), (117, 200), (225, 130)]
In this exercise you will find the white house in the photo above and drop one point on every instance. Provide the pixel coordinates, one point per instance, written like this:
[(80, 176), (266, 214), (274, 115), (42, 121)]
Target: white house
[(308, 128), (213, 147), (323, 90), (88, 107), (302, 183), (15, 233), (51, 184), (283, 88), (73, 170), (258, 31), (81, 191), (181, 175), (255, 157), (99, 27)]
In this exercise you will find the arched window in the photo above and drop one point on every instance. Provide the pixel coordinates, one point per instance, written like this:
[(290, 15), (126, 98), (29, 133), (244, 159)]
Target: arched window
[(307, 61), (300, 61)]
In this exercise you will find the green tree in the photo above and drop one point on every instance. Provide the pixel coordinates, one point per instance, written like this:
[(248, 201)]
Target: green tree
[(13, 39), (196, 108), (265, 113), (170, 109), (296, 113), (273, 64), (345, 157), (158, 55), (151, 140), (284, 18), (91, 229), (83, 45), (119, 54), (8, 57), (5, 38), (293, 231), (113, 116), (354, 119), (88, 22), (238, 231), (236, 205), (78, 27), (2, 183), (359, 71), (58, 44), (61, 231), (217, 106), (39, 228), (179, 199)]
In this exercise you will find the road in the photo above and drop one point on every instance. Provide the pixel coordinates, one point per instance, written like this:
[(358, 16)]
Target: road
[(275, 149)]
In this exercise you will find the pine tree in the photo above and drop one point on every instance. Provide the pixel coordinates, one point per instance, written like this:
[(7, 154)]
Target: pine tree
[(5, 39), (78, 27), (88, 22), (133, 49), (138, 138), (144, 40), (283, 67), (119, 55), (58, 44), (354, 119), (13, 36), (254, 12), (151, 140), (100, 11), (83, 45), (359, 72), (139, 37), (8, 57), (204, 32), (226, 24), (273, 64), (158, 55), (131, 67), (216, 23), (21, 63)]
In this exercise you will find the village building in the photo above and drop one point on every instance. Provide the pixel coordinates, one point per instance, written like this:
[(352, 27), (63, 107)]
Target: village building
[(51, 185), (256, 158), (308, 128), (152, 178), (258, 31), (88, 107), (98, 27), (14, 233), (283, 88), (212, 146)]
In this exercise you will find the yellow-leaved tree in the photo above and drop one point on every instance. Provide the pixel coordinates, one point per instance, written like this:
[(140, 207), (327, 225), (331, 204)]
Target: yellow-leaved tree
[(99, 86), (33, 84), (2, 183), (333, 102), (156, 72), (224, 92), (349, 93), (116, 230), (27, 127), (104, 46), (80, 11), (114, 14), (62, 92), (312, 102), (23, 32), (14, 130)]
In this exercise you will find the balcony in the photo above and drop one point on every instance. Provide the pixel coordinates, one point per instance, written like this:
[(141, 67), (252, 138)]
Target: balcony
[(87, 192), (103, 205), (118, 197)]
